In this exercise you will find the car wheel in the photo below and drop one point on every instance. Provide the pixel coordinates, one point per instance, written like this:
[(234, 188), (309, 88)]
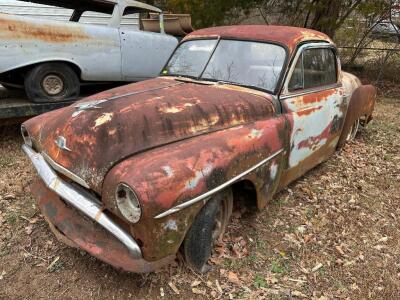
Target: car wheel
[(52, 82), (353, 131), (208, 226)]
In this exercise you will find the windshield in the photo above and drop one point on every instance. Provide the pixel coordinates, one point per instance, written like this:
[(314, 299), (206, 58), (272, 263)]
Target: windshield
[(245, 63)]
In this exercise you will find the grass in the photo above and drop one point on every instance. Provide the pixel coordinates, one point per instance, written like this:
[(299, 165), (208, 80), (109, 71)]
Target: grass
[(260, 282)]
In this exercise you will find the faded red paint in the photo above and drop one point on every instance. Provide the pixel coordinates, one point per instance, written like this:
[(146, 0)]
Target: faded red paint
[(71, 228), (146, 119), (312, 141), (290, 37), (172, 140), (308, 111)]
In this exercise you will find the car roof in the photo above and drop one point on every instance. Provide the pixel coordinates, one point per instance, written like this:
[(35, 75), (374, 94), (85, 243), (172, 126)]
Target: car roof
[(290, 37), (98, 5)]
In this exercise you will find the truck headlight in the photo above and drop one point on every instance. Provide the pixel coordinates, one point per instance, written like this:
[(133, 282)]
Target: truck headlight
[(128, 203), (26, 136)]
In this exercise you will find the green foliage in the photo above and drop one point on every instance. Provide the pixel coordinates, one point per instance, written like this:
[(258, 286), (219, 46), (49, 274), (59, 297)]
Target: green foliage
[(210, 12)]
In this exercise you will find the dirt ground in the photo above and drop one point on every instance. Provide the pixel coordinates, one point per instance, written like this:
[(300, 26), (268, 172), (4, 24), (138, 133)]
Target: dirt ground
[(332, 234)]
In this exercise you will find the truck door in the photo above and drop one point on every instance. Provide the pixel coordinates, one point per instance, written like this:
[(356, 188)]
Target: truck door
[(313, 104), (144, 54)]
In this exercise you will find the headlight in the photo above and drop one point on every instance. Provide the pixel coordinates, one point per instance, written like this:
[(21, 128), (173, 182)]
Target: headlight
[(128, 203), (26, 136)]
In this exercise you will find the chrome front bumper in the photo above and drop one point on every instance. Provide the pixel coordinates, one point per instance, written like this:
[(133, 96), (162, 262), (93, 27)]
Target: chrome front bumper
[(81, 200)]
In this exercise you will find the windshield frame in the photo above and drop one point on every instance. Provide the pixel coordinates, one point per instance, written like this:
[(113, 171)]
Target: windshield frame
[(219, 39)]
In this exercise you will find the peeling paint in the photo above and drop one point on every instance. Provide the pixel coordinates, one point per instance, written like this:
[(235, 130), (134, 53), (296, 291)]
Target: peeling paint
[(171, 225), (193, 182), (274, 170), (168, 170), (103, 119)]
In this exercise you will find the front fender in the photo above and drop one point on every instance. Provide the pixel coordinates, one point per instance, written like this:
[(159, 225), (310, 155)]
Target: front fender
[(179, 172)]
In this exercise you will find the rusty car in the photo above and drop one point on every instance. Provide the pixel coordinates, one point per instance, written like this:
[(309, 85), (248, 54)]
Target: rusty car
[(137, 174), (51, 59)]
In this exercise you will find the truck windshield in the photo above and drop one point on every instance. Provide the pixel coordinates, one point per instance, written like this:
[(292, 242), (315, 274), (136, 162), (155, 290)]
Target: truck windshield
[(246, 63)]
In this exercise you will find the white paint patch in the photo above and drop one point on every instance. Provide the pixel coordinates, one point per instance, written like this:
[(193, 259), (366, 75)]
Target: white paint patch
[(177, 108), (168, 170), (312, 126), (103, 119), (192, 183), (255, 134), (171, 225), (273, 170)]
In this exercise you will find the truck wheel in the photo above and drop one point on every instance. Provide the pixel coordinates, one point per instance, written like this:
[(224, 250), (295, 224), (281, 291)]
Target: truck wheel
[(52, 82), (208, 226)]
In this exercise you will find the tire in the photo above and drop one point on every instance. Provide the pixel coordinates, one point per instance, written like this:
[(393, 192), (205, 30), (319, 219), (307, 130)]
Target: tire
[(52, 82), (353, 131), (208, 226)]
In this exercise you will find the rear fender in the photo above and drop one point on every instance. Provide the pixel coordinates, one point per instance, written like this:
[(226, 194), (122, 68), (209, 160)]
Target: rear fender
[(361, 105), (174, 174)]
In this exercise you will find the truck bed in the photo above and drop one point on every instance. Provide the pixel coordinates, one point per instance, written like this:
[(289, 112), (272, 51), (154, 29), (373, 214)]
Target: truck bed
[(15, 105)]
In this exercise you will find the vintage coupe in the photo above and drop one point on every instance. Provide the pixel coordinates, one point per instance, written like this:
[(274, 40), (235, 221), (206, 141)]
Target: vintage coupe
[(156, 166), (50, 59)]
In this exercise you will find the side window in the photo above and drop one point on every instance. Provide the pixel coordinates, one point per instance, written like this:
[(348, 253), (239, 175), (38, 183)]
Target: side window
[(319, 68), (315, 68), (95, 18)]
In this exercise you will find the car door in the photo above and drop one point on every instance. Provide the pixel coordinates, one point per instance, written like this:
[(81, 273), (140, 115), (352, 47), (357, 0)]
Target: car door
[(313, 103), (144, 54)]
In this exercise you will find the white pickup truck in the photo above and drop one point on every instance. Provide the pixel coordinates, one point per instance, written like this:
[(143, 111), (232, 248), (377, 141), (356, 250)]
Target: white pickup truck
[(52, 59)]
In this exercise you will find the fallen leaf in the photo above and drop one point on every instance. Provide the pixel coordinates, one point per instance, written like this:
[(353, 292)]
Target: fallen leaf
[(173, 287), (10, 196), (53, 263), (298, 294), (199, 291), (233, 278), (317, 267), (218, 286), (29, 229), (195, 283)]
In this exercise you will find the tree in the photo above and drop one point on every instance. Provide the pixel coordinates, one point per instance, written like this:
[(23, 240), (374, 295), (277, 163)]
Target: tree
[(206, 13)]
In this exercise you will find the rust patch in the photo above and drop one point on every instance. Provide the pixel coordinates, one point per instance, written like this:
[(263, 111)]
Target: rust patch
[(76, 231), (285, 35), (23, 30), (147, 115)]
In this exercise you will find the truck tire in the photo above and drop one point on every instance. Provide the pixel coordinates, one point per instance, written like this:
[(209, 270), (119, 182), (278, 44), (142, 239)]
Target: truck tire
[(52, 82), (208, 226)]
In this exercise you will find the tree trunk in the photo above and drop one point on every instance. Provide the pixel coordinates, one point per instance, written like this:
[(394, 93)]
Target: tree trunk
[(326, 16)]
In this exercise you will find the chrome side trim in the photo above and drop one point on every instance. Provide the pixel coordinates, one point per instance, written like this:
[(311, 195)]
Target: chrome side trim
[(64, 171), (81, 200), (311, 91), (207, 195)]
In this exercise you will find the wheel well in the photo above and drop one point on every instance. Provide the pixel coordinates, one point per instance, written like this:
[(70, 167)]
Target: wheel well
[(16, 76), (245, 194)]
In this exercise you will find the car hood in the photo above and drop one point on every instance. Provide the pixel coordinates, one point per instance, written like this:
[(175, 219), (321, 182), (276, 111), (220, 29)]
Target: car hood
[(91, 136)]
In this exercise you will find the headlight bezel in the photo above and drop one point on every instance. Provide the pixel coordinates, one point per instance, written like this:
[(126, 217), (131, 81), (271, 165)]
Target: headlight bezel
[(128, 203)]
